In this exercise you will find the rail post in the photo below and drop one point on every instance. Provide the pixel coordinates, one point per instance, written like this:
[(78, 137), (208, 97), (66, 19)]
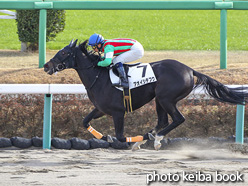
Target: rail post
[(240, 115), (42, 6), (47, 122), (223, 39), (42, 37)]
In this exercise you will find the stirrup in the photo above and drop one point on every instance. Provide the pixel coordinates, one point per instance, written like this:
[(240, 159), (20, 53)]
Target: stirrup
[(120, 84)]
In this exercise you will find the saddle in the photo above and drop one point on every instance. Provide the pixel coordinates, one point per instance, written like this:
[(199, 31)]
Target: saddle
[(126, 68)]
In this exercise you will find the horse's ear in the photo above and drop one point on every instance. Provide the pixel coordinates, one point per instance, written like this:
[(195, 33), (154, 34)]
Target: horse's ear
[(73, 43)]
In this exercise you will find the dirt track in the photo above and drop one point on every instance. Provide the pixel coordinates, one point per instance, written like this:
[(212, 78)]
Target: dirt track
[(17, 67), (119, 167)]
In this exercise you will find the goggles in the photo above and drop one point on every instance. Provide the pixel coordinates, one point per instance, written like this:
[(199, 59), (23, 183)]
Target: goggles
[(94, 47)]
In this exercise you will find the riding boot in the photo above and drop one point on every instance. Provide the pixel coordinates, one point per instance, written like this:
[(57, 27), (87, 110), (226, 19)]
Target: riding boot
[(123, 77)]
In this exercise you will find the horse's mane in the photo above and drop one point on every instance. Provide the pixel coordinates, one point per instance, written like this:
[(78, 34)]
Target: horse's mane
[(91, 55)]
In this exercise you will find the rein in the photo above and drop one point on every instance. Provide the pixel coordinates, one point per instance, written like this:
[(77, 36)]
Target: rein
[(86, 68), (97, 76), (93, 83)]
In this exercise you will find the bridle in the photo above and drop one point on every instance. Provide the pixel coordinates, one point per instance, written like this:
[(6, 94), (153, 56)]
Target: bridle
[(70, 62), (63, 62)]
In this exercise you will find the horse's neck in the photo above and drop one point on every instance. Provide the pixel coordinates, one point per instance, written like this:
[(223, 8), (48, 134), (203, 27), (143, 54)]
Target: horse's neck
[(94, 80), (87, 75)]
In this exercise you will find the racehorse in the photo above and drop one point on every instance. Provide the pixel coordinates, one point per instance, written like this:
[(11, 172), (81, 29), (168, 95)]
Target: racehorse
[(174, 82)]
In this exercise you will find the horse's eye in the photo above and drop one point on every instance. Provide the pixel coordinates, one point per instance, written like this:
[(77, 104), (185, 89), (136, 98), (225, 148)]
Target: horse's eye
[(63, 53)]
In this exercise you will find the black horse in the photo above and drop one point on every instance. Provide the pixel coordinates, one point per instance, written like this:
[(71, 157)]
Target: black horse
[(174, 82)]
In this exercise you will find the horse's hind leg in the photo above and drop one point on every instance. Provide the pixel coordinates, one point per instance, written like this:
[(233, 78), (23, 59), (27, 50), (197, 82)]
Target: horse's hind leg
[(162, 123), (177, 119), (94, 115), (162, 118)]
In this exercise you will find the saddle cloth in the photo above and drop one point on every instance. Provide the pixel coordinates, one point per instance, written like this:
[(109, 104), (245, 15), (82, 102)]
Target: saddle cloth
[(138, 75)]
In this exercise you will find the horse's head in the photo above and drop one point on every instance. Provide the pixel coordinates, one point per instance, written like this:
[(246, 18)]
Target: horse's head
[(65, 58)]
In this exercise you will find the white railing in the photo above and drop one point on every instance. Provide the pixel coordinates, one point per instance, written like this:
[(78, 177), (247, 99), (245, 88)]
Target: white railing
[(12, 15), (49, 89), (42, 89)]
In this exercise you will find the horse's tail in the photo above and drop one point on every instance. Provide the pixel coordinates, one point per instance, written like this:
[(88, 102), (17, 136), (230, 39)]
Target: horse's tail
[(221, 92)]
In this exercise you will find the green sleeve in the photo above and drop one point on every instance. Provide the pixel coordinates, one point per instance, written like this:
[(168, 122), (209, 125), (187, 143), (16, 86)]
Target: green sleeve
[(107, 61)]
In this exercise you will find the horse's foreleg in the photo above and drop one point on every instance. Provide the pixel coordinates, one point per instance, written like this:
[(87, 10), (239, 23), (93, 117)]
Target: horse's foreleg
[(119, 129), (94, 115), (118, 119)]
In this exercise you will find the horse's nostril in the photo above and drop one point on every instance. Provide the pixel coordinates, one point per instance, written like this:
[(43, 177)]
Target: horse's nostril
[(46, 66)]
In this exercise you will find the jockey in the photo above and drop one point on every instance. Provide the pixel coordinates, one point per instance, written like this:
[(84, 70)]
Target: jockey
[(124, 50)]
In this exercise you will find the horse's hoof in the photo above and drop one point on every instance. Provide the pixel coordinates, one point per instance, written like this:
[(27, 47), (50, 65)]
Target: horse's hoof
[(136, 146), (151, 137), (157, 143), (157, 146), (110, 139)]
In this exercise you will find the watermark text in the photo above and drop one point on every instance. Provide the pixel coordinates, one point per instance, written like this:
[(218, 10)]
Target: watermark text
[(197, 176)]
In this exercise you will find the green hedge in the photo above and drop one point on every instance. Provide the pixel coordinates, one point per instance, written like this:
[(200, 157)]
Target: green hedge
[(28, 25), (23, 116)]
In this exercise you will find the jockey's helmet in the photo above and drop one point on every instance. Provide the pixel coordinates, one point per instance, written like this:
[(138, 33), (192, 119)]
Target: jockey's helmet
[(95, 39)]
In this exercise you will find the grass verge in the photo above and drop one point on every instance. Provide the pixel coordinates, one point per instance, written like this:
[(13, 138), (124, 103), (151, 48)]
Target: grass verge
[(155, 29)]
